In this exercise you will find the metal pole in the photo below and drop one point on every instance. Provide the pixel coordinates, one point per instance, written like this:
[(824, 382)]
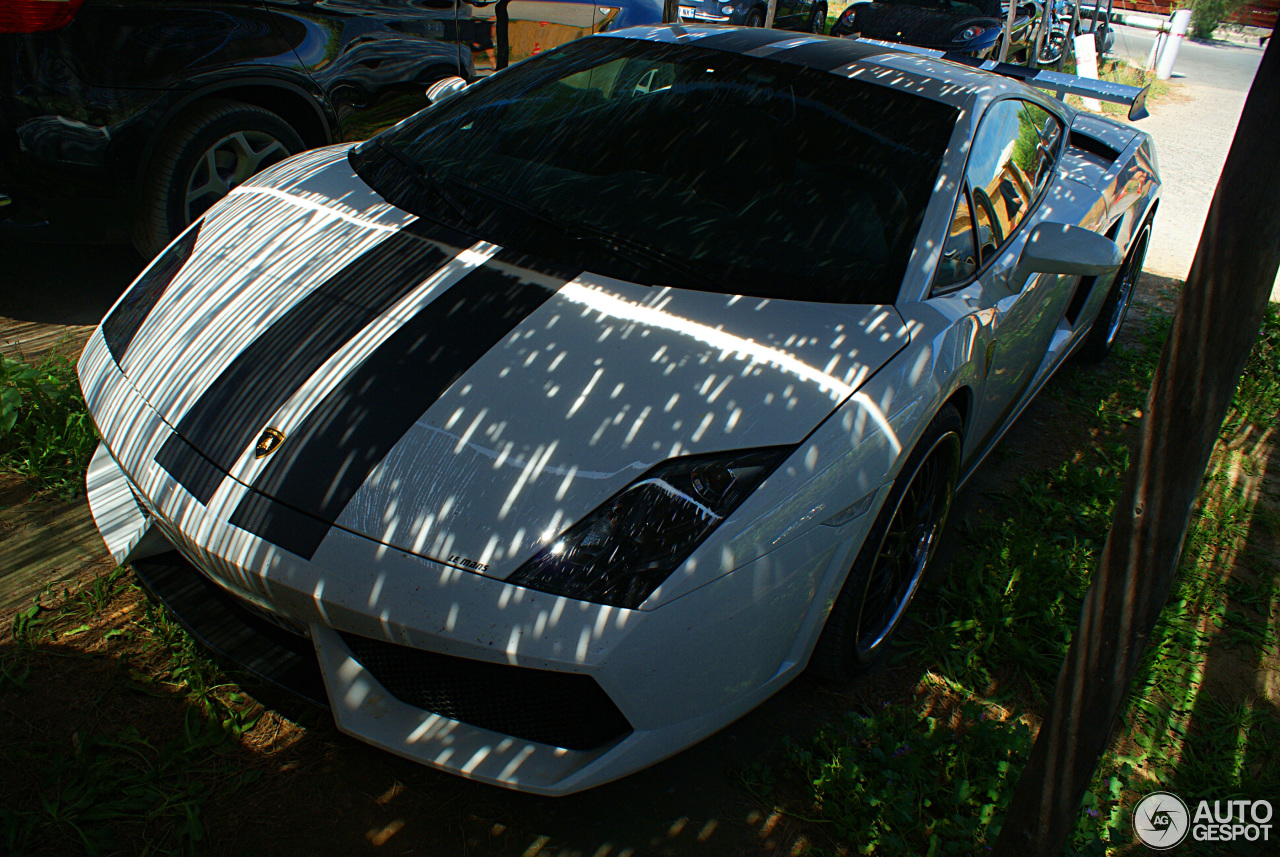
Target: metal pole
[(1008, 31), (1169, 53)]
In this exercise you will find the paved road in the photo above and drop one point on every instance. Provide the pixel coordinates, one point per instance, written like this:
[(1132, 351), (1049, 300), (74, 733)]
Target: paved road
[(1192, 127), (1220, 64)]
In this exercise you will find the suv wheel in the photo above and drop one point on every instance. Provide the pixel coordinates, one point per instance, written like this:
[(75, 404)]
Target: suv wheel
[(208, 150)]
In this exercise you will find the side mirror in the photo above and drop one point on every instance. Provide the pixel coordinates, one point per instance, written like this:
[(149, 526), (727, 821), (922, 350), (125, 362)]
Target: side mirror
[(1059, 248), (445, 88)]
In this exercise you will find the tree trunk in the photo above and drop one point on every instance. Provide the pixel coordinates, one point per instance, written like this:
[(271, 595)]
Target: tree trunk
[(671, 11), (768, 18), (1217, 322)]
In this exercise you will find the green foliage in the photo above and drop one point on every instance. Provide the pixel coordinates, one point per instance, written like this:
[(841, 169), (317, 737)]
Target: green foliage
[(46, 434), (1004, 612), (997, 624), (1257, 398), (1208, 15), (898, 783), (121, 791), (99, 787)]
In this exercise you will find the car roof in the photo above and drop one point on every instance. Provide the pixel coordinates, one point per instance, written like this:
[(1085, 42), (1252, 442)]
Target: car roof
[(933, 78)]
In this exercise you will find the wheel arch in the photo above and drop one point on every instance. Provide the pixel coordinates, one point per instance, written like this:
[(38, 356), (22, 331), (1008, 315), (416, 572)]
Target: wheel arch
[(962, 399), (305, 111)]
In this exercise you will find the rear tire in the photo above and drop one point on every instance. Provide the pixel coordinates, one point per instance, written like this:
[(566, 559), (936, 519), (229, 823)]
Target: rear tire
[(1106, 327), (894, 556), (207, 151), (754, 19)]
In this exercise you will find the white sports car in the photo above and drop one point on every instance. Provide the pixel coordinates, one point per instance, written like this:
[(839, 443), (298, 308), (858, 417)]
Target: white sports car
[(561, 424)]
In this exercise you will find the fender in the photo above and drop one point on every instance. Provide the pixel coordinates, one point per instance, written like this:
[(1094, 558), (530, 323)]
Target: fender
[(293, 84)]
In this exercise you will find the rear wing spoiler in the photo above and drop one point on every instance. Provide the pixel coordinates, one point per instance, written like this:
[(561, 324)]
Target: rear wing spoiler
[(1061, 85)]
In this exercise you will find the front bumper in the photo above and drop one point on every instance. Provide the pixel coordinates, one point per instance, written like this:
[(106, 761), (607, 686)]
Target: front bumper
[(674, 674)]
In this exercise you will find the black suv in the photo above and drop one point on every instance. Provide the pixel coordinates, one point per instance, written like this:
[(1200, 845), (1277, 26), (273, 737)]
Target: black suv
[(128, 118)]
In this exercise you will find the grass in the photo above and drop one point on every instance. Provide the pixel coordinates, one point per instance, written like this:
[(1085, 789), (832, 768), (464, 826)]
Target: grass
[(46, 434), (115, 782), (1122, 71), (931, 776)]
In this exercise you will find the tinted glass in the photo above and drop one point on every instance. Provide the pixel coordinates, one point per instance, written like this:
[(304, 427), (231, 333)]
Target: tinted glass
[(749, 176), (1039, 138), (959, 259), (1012, 162)]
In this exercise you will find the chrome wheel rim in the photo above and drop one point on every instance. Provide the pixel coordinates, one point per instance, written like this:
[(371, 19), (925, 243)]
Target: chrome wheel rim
[(226, 164), (907, 544), (819, 18), (1128, 279)]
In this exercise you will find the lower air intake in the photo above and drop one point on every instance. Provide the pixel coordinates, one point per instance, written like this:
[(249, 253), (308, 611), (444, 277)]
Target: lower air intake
[(561, 709)]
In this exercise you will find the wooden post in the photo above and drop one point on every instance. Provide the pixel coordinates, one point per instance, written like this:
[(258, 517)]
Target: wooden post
[(768, 18), (1217, 322), (671, 11), (1008, 32)]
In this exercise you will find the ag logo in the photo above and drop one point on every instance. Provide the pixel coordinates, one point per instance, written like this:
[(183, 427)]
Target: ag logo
[(1161, 820), (268, 442)]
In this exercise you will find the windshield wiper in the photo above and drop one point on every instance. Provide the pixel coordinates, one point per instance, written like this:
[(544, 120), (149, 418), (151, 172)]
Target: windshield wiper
[(422, 176), (635, 252)]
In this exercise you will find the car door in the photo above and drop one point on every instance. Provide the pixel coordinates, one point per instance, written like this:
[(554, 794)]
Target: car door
[(374, 59), (1011, 164)]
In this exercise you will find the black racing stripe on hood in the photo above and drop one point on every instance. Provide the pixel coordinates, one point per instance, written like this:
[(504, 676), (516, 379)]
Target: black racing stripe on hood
[(119, 328), (231, 414), (323, 462)]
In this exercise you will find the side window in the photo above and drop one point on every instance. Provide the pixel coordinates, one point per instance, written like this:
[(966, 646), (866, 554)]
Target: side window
[(1010, 164), (959, 259), (1039, 139)]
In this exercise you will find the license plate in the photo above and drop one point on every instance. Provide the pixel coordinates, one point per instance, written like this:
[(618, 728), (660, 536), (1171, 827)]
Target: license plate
[(686, 12)]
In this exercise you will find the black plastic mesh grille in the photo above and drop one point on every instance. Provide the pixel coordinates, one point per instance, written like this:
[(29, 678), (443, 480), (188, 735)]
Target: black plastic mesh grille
[(561, 709)]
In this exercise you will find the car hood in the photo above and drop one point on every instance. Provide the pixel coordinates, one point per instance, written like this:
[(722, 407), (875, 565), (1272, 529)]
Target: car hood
[(447, 397), (913, 25)]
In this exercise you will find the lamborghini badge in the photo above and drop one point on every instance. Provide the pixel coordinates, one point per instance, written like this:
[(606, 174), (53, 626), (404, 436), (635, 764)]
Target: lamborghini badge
[(268, 442)]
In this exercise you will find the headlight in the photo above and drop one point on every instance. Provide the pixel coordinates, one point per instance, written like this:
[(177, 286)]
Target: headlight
[(726, 10), (623, 550), (969, 34)]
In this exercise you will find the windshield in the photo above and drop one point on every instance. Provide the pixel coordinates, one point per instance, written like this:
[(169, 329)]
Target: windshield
[(676, 165)]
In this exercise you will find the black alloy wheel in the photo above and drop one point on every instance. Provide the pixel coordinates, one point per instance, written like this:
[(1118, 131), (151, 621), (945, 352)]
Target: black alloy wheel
[(818, 21), (893, 558), (208, 151), (1106, 327)]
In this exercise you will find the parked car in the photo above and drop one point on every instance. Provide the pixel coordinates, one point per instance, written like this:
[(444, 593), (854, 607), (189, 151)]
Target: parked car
[(971, 27), (122, 119), (808, 16), (553, 429)]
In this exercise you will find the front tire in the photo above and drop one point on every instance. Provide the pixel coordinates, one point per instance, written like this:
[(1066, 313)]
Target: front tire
[(1106, 327), (818, 21), (895, 554), (209, 149), (754, 19)]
